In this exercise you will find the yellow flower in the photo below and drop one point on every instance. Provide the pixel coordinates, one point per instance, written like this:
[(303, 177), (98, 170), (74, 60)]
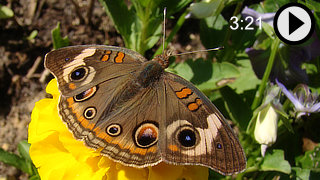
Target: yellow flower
[(57, 155)]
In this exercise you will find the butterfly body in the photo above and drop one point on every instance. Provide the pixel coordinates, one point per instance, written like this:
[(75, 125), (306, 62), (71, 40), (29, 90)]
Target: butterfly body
[(134, 112)]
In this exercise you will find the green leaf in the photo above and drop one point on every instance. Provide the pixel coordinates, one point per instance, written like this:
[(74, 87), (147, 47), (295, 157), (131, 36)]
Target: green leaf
[(263, 42), (14, 160), (315, 7), (286, 123), (311, 69), (247, 80), (238, 110), (268, 29), (205, 74), (23, 148), (205, 9), (58, 41), (123, 20), (273, 6), (301, 173), (32, 35), (275, 161), (35, 177), (207, 78), (182, 69), (140, 24), (240, 40), (310, 160), (5, 12), (213, 30)]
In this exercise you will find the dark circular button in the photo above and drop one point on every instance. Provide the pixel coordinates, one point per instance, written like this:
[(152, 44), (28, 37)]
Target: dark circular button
[(294, 23)]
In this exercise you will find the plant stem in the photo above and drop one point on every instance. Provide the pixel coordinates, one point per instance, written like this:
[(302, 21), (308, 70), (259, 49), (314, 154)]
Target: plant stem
[(259, 94)]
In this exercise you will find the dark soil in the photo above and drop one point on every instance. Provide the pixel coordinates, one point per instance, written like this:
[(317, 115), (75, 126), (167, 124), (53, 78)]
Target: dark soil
[(22, 75)]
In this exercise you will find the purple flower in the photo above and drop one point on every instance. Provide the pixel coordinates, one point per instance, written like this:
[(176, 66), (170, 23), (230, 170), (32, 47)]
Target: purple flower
[(266, 17), (303, 100)]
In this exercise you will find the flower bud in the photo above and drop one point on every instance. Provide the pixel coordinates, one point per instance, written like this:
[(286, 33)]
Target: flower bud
[(265, 131)]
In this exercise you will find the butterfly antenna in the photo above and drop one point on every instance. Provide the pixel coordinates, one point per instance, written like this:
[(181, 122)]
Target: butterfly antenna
[(204, 50), (164, 28)]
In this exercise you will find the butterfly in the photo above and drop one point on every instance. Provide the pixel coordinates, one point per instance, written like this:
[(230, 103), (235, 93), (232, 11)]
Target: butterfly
[(136, 113)]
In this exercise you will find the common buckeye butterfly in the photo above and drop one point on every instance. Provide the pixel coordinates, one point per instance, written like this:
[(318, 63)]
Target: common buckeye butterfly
[(117, 101)]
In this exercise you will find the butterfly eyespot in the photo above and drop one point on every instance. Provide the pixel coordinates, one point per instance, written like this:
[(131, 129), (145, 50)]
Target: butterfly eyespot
[(146, 134), (114, 130), (219, 146), (79, 74), (187, 137), (85, 94), (67, 59), (90, 113)]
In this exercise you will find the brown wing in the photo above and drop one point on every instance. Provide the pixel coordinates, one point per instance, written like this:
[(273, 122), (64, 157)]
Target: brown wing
[(96, 106), (126, 131), (78, 68), (195, 131)]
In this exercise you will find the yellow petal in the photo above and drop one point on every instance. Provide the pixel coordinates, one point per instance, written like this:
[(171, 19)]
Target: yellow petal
[(122, 172), (52, 88), (173, 172)]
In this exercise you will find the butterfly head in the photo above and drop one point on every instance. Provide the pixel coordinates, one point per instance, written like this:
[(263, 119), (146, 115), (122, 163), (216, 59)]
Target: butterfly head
[(162, 59)]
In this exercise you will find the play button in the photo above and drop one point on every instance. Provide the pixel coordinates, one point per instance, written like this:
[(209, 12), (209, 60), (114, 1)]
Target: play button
[(294, 23)]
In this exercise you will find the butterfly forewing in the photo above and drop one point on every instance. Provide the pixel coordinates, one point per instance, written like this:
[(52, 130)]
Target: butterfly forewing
[(78, 68)]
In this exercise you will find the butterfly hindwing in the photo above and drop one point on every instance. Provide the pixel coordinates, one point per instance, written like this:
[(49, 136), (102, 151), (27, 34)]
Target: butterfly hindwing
[(123, 132), (196, 132)]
